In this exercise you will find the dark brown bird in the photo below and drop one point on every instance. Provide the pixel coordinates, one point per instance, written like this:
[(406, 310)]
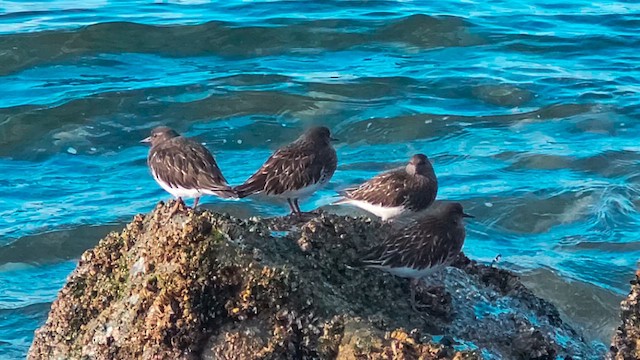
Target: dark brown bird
[(422, 248), (184, 167), (410, 189), (296, 170)]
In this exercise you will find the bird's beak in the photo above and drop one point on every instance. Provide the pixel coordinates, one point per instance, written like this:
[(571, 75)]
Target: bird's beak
[(467, 215), (333, 139), (146, 140)]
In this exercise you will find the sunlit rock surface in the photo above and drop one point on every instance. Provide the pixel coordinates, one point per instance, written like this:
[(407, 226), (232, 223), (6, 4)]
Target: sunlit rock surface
[(204, 285), (626, 341)]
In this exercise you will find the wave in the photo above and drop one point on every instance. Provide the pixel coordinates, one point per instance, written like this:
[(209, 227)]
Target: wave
[(226, 39), (53, 246)]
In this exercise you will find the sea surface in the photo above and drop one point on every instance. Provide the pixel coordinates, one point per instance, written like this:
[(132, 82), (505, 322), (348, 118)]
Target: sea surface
[(529, 110)]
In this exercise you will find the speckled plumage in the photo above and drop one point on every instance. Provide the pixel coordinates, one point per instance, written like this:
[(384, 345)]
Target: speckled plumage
[(296, 170), (431, 242), (183, 167), (409, 189), (424, 247)]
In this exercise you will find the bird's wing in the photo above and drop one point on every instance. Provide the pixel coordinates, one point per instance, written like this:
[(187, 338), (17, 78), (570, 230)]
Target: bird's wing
[(187, 164), (289, 168), (387, 189), (417, 246)]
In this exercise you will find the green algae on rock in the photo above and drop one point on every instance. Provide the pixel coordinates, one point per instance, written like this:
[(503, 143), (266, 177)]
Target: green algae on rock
[(205, 285)]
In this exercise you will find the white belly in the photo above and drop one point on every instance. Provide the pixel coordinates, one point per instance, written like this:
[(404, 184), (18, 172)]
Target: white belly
[(407, 272), (301, 193), (179, 192), (382, 212)]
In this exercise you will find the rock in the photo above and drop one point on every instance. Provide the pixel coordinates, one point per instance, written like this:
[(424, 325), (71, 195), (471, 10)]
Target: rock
[(626, 340), (205, 285)]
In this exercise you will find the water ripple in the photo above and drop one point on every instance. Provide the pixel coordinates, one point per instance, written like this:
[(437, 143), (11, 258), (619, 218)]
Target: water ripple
[(528, 111)]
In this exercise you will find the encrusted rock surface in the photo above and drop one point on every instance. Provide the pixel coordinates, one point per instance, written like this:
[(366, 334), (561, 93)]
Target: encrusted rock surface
[(626, 341), (204, 285)]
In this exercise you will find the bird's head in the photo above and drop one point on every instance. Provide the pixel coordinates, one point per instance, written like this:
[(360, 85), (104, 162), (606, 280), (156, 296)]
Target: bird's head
[(454, 211), (159, 135), (319, 135), (419, 164)]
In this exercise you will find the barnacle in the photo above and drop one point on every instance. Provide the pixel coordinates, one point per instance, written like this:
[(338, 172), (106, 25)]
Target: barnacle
[(256, 296)]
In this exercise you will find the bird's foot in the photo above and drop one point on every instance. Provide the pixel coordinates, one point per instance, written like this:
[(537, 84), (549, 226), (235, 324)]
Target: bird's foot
[(419, 308), (177, 207), (297, 217), (434, 299)]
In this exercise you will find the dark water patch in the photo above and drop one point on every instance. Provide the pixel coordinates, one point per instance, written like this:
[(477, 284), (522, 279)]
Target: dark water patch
[(599, 125), (425, 126), (550, 44), (243, 80), (616, 23), (35, 128), (17, 326), (84, 125), (226, 39), (11, 16), (585, 306), (457, 87), (394, 88), (610, 164), (524, 160), (263, 133), (398, 129), (30, 132), (622, 247), (242, 103), (538, 212), (428, 31), (54, 246), (369, 89), (503, 95), (606, 272), (81, 124), (559, 111)]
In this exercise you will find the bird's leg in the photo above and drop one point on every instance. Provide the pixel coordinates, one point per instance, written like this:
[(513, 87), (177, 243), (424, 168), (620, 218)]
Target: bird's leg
[(414, 283), (195, 202), (295, 203), (414, 304), (176, 207), (293, 209)]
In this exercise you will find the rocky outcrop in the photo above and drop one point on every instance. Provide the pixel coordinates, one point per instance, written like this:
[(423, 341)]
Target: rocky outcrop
[(626, 341), (205, 285)]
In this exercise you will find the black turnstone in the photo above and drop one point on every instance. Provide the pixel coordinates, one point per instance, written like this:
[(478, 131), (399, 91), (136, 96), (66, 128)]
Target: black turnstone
[(391, 194), (296, 170), (184, 168), (422, 248)]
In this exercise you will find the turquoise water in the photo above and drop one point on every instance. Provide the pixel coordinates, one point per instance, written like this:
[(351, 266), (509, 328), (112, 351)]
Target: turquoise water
[(529, 111)]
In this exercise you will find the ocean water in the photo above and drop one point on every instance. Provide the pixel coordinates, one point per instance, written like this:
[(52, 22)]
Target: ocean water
[(529, 111)]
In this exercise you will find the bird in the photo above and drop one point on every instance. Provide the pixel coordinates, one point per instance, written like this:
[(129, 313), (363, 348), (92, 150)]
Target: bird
[(394, 193), (421, 248), (296, 170), (184, 168)]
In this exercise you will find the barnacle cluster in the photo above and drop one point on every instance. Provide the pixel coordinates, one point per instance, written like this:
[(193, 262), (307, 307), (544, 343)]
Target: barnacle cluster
[(205, 285)]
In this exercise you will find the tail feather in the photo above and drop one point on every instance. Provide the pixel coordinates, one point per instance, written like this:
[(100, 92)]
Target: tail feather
[(246, 189), (341, 201), (364, 263), (224, 192)]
